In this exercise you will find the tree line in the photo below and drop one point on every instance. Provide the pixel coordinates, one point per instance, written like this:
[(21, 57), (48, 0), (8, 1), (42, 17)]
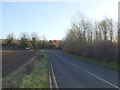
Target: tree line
[(97, 40), (26, 41)]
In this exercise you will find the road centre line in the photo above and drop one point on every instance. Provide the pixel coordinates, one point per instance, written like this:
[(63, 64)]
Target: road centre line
[(102, 79), (74, 65), (91, 73), (96, 76), (67, 61)]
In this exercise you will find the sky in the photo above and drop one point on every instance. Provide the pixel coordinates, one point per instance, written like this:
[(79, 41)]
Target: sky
[(50, 19)]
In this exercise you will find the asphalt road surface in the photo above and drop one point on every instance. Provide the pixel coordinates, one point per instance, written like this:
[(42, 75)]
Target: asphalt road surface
[(69, 72)]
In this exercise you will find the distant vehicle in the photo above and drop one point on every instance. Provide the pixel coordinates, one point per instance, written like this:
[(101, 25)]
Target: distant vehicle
[(27, 48)]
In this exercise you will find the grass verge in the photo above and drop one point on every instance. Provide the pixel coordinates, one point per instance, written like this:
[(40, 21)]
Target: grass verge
[(39, 77), (111, 65), (33, 74)]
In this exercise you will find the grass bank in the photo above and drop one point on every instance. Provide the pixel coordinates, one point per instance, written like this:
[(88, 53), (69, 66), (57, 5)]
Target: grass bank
[(111, 65), (33, 74), (39, 77)]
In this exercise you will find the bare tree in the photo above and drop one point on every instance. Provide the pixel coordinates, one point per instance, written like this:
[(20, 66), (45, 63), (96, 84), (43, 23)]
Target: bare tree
[(80, 36), (110, 25), (98, 32), (106, 26)]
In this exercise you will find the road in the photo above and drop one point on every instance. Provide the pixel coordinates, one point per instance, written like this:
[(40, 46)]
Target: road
[(69, 72)]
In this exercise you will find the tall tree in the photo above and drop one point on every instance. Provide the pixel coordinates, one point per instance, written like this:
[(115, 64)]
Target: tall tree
[(24, 40), (10, 38), (34, 40)]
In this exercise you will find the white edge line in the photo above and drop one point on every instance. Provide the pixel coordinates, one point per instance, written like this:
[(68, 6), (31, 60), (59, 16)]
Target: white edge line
[(53, 76), (85, 71), (50, 78), (103, 80)]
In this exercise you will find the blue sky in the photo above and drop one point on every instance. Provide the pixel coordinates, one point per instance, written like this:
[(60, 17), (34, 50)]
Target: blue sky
[(51, 19)]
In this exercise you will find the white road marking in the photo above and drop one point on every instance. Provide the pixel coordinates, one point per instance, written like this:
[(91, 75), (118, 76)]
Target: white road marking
[(90, 73), (103, 80), (74, 65), (53, 76), (67, 61), (50, 80)]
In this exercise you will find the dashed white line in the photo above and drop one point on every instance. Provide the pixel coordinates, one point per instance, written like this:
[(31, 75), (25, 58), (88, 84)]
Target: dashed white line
[(89, 73), (67, 61), (103, 80), (74, 65)]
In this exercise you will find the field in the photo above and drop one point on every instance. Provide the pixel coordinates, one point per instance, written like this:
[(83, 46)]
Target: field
[(32, 74), (13, 59)]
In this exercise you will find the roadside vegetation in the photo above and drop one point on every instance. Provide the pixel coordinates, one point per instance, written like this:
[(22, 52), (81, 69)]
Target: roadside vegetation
[(93, 41), (33, 74), (39, 77), (26, 41)]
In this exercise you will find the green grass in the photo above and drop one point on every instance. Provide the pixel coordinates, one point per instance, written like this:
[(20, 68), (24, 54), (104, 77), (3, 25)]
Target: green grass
[(111, 65), (14, 79), (38, 78)]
